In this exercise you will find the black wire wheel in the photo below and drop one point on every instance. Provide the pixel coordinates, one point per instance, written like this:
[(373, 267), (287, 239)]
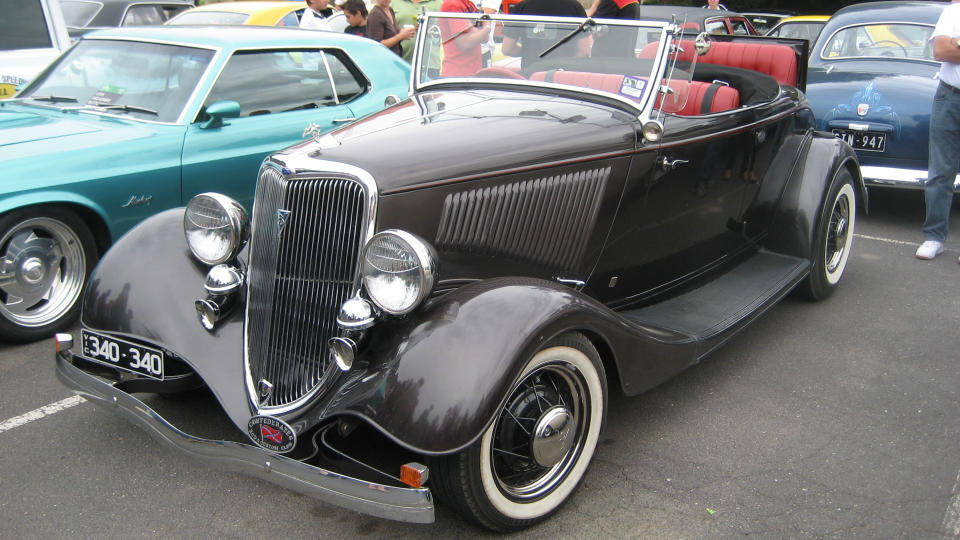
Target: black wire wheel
[(834, 238), (536, 451)]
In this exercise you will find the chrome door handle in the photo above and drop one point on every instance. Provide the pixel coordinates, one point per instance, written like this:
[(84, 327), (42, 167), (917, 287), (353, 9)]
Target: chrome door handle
[(667, 165), (343, 120)]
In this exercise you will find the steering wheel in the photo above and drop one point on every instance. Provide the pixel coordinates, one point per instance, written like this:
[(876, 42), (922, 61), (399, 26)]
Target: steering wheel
[(902, 48)]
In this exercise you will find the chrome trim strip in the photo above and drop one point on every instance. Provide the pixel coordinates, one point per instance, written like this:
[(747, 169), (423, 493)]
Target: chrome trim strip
[(897, 177), (388, 502)]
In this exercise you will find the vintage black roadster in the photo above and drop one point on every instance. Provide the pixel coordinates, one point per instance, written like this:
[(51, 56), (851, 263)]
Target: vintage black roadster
[(437, 300)]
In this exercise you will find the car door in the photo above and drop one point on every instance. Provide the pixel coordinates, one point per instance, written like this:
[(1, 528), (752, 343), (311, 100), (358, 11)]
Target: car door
[(280, 93)]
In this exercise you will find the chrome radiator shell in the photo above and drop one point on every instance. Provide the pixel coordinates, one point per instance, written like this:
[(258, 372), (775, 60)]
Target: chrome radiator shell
[(308, 230)]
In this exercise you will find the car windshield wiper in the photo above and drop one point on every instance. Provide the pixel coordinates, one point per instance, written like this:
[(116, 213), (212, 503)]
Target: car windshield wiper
[(583, 26), (53, 99), (124, 108)]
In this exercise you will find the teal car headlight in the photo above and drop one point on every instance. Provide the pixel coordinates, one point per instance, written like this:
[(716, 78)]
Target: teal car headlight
[(399, 270), (216, 227)]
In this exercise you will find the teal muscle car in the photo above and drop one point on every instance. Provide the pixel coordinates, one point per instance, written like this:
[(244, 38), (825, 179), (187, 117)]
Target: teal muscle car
[(133, 121)]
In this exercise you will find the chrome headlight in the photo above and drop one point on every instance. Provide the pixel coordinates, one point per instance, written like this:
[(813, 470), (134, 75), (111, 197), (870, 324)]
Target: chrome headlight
[(398, 270), (216, 227)]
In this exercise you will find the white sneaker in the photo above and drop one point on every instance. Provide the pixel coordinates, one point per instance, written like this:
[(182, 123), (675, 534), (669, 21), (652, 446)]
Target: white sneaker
[(929, 249)]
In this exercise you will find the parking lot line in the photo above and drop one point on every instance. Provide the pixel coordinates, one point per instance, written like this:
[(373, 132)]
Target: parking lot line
[(37, 414)]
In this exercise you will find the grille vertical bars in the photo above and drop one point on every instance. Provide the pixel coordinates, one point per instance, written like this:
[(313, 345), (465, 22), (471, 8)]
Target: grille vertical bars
[(298, 278)]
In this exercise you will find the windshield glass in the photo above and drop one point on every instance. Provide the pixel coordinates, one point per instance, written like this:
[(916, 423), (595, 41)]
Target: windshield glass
[(618, 58), (153, 80), (889, 40)]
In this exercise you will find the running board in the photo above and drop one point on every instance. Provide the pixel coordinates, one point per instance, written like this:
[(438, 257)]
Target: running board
[(713, 313)]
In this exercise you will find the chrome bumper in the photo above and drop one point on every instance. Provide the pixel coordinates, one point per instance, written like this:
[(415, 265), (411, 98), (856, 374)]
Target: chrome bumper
[(389, 502), (894, 177)]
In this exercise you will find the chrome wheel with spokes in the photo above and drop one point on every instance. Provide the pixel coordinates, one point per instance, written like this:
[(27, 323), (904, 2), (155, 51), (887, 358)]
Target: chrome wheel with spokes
[(45, 259)]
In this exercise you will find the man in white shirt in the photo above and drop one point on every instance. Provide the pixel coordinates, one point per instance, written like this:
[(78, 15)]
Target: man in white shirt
[(944, 157), (315, 16)]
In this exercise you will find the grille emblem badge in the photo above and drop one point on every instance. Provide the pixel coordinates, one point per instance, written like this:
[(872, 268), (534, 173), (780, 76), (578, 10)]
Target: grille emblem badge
[(266, 390), (282, 217)]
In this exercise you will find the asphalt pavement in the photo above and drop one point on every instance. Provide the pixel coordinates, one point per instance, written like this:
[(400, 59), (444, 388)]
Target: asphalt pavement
[(837, 419)]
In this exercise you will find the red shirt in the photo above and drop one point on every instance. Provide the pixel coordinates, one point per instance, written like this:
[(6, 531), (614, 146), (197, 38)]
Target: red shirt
[(456, 61)]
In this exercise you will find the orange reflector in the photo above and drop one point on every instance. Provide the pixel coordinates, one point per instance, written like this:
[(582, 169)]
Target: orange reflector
[(414, 474)]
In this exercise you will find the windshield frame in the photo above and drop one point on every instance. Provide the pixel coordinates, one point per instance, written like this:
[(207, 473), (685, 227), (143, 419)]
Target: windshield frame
[(669, 34)]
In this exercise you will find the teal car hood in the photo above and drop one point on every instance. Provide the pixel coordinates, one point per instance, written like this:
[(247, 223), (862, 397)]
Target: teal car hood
[(27, 133)]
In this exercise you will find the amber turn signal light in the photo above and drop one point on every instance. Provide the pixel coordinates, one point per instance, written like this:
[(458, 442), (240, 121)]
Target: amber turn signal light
[(414, 474)]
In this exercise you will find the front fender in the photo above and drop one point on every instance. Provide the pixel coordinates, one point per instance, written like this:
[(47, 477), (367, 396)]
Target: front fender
[(437, 379), (795, 222), (144, 288)]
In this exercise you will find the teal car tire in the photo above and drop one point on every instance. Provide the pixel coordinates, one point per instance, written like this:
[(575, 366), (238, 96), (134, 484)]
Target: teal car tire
[(46, 256)]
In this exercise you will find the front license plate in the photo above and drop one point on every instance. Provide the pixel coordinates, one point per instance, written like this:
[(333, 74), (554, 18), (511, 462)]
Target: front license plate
[(870, 141), (122, 354)]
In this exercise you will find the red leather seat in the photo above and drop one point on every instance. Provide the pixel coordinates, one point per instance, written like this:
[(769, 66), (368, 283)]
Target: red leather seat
[(778, 61), (703, 98), (608, 82)]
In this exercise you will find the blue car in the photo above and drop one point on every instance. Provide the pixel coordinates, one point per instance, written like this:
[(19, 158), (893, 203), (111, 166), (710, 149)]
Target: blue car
[(133, 121), (871, 81)]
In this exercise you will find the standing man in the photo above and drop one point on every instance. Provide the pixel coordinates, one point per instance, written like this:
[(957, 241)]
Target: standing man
[(944, 134), (714, 4), (315, 16)]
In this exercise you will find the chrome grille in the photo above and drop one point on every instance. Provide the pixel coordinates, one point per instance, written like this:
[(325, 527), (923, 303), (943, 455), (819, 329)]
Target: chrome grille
[(299, 275)]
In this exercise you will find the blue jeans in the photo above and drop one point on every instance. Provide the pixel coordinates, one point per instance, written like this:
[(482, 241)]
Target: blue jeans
[(943, 163)]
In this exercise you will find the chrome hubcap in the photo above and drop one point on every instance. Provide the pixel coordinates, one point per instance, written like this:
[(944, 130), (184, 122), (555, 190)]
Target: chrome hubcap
[(837, 233), (42, 270), (33, 270), (551, 436)]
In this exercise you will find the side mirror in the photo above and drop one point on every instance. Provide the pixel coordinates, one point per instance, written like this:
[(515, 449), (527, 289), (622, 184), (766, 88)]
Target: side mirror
[(219, 110)]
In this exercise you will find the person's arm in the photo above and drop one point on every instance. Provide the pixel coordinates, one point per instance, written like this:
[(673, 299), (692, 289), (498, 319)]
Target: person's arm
[(510, 47), (584, 46), (405, 33), (473, 38), (593, 8), (945, 49)]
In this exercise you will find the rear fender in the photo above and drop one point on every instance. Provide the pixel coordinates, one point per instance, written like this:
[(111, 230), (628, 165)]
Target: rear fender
[(795, 222)]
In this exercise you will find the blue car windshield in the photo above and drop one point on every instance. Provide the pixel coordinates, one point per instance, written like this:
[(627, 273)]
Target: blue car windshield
[(149, 81)]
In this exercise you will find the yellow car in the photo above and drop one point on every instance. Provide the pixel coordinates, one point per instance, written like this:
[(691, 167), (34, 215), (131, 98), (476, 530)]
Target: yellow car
[(806, 27), (266, 13)]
